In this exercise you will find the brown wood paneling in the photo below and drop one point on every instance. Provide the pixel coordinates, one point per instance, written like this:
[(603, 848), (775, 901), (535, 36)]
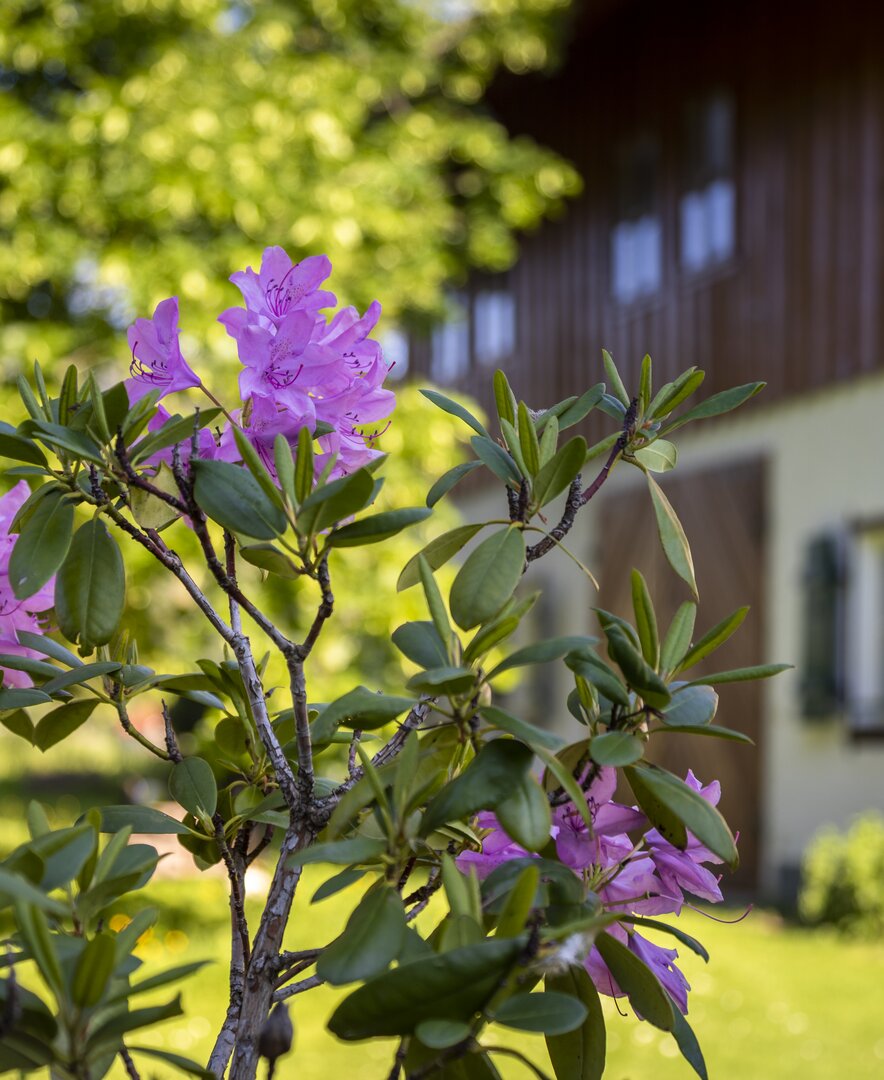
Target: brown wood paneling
[(722, 511)]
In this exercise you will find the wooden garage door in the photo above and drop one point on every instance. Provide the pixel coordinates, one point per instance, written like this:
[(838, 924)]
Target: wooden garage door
[(722, 511)]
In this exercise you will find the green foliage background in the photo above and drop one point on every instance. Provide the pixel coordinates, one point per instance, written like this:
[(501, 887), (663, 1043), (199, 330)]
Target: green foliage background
[(151, 147)]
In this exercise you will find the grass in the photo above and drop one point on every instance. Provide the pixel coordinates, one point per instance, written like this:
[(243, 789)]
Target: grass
[(775, 1002)]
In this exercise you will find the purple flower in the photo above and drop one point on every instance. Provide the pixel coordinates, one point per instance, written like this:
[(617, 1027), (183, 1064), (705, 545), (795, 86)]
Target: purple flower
[(17, 614), (156, 355), (280, 288), (497, 848), (662, 962)]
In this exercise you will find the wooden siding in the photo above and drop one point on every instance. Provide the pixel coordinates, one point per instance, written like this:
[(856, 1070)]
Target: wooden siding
[(800, 303)]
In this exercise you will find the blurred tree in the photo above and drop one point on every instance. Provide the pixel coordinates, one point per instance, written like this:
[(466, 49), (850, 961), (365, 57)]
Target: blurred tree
[(148, 146)]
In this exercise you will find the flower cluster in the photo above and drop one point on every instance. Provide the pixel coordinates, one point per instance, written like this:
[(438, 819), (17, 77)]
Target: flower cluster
[(17, 614), (299, 369), (644, 877)]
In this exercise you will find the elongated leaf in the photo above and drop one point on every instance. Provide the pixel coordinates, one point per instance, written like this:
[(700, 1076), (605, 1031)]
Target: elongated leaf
[(61, 722), (357, 849), (645, 619), (361, 708), (550, 439), (578, 1054), (107, 1035), (713, 639), (637, 672), (547, 1012), (678, 637), (438, 1034), (674, 393), (542, 652), (616, 748), (504, 398), (420, 642), (450, 986), (582, 407), (565, 779), (377, 527), (335, 501), (192, 785), (448, 480), (746, 674), (175, 430), (496, 459), (696, 814), (558, 473), (93, 971), (90, 588), (687, 1043), (45, 645), (18, 722), (613, 376), (16, 446), (666, 820), (252, 461), (455, 409), (41, 546), (192, 1068), (15, 698), (691, 706), (73, 443), (515, 448), (268, 557), (370, 942), (487, 578), (529, 734), (437, 553), (443, 680), (14, 887), (601, 447), (717, 404), (528, 440), (230, 495), (646, 995), (660, 457), (525, 814), (594, 670), (78, 675), (712, 730), (142, 819), (488, 779), (672, 536)]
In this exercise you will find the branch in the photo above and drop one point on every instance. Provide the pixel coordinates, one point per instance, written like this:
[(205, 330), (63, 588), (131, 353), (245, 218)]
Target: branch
[(129, 1064), (298, 988), (237, 897), (130, 729), (326, 607)]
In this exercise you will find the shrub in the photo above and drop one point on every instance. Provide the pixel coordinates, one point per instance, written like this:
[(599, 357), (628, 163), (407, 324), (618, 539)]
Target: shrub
[(843, 877)]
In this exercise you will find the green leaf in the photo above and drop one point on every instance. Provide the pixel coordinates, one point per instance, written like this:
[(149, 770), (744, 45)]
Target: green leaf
[(179, 1062), (695, 813), (74, 443), (360, 708), (337, 883), (496, 459), (645, 619), (528, 440), (230, 495), (15, 888), (377, 527), (34, 929), (678, 637), (175, 430), (449, 986), (252, 461), (335, 501), (435, 603), (78, 675), (444, 680), (550, 439), (437, 553), (284, 464), (672, 536), (645, 384), (487, 578), (525, 814), (578, 1054), (448, 480), (192, 785), (543, 652), (370, 942), (565, 779), (529, 734), (601, 447), (439, 1034), (61, 722), (93, 971), (660, 457), (420, 642), (14, 698), (558, 473), (109, 1033), (666, 820), (613, 376), (18, 722), (616, 748), (90, 589), (687, 1043), (637, 672), (357, 849), (515, 448), (691, 706), (19, 448), (717, 404), (712, 730), (149, 510), (646, 995), (488, 779), (505, 400), (142, 819), (42, 644), (270, 558), (713, 639), (582, 407), (746, 674), (672, 394), (587, 665), (519, 903), (452, 407), (549, 1012)]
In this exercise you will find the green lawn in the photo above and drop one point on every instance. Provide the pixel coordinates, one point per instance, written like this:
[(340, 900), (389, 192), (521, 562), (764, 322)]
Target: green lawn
[(774, 1003)]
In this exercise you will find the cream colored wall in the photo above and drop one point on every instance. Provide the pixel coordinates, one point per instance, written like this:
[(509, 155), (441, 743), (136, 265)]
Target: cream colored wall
[(825, 458)]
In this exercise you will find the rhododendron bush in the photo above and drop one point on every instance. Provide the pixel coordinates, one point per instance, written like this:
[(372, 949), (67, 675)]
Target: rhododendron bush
[(542, 890)]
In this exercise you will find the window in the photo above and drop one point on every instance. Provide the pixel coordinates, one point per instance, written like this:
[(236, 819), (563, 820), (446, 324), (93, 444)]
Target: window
[(707, 211), (637, 238), (494, 325), (450, 350), (864, 651)]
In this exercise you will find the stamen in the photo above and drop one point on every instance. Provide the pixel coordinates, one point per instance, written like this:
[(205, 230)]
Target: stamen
[(718, 918)]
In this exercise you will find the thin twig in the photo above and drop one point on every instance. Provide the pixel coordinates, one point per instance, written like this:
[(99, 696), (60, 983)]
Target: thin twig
[(129, 1064), (172, 748), (298, 988), (237, 897)]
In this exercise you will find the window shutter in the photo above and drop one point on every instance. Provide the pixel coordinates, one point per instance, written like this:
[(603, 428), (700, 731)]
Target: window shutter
[(822, 666)]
